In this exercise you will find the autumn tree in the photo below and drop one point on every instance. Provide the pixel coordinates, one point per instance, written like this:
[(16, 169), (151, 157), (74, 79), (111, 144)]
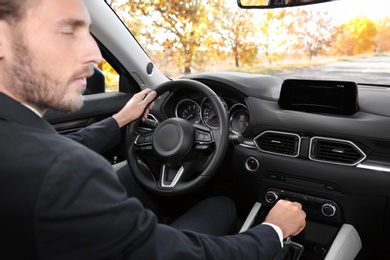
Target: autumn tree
[(272, 28), (237, 31), (181, 25), (312, 31), (383, 35), (129, 14), (357, 36)]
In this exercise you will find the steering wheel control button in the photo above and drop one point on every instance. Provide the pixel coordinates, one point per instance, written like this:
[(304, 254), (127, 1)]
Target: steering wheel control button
[(252, 164), (144, 139), (202, 137), (201, 147), (148, 138), (207, 138)]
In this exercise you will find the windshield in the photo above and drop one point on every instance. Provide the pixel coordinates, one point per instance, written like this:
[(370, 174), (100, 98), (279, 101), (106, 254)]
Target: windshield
[(345, 40)]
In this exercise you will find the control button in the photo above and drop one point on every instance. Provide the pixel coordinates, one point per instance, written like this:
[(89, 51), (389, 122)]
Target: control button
[(271, 196), (328, 210), (276, 176), (148, 138), (199, 136), (332, 187), (146, 148), (141, 139), (273, 176), (319, 250), (299, 197), (207, 138), (309, 198), (201, 147), (252, 164), (319, 200)]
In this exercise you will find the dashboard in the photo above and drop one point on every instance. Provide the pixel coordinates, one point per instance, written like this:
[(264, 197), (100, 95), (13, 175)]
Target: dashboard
[(336, 164)]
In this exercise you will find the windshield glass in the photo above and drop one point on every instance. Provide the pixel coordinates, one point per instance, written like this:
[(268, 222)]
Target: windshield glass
[(344, 40)]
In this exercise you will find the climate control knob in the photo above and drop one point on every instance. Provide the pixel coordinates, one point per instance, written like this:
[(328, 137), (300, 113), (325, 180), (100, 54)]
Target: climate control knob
[(329, 210), (271, 196)]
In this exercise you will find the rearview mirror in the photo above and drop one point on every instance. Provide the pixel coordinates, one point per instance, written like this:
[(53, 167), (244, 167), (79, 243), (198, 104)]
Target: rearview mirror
[(263, 4)]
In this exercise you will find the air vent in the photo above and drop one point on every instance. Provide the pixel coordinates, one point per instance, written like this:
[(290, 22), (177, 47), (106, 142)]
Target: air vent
[(335, 151), (281, 143)]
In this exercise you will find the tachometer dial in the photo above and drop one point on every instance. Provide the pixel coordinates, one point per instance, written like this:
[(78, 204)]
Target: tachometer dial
[(239, 121), (189, 110)]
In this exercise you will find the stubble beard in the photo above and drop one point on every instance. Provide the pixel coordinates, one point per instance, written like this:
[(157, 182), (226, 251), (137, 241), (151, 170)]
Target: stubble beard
[(36, 87)]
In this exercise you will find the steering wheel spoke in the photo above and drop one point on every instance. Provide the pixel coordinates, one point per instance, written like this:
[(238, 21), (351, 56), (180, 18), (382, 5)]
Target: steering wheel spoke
[(170, 176)]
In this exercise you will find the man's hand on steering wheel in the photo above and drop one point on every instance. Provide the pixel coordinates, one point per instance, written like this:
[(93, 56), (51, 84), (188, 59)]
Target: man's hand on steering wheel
[(140, 103)]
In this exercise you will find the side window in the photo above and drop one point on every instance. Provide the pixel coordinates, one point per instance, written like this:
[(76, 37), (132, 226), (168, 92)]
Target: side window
[(105, 79), (111, 77)]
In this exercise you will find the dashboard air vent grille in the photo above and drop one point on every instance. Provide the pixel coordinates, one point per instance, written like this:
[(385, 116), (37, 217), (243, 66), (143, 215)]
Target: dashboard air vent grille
[(281, 143), (335, 151)]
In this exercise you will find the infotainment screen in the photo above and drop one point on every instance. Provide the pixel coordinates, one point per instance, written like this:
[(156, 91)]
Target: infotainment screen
[(321, 96)]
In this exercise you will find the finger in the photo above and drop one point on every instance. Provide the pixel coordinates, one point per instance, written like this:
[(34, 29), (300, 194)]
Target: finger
[(151, 106), (150, 96), (146, 113), (297, 204), (142, 94), (146, 91), (301, 228)]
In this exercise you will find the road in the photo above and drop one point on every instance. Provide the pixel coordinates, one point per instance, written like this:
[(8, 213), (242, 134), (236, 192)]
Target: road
[(373, 70)]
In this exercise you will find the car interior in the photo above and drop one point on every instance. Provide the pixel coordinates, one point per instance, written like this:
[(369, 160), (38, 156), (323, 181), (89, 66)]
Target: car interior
[(255, 138)]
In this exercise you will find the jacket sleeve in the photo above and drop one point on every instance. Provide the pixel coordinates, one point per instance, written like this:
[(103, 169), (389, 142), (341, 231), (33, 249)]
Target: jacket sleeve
[(83, 213), (100, 136)]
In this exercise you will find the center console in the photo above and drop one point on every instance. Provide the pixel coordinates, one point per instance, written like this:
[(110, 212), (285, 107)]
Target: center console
[(333, 207), (316, 207), (324, 237)]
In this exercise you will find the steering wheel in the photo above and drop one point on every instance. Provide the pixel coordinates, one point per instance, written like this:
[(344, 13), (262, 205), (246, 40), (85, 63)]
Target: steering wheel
[(189, 153)]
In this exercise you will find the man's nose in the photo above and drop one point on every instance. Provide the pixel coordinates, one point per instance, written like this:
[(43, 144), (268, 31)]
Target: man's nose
[(93, 54)]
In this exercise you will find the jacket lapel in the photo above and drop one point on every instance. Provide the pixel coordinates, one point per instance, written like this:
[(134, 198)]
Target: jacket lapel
[(13, 111)]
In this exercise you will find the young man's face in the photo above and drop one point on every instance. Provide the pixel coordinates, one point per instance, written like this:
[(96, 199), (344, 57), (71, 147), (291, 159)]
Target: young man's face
[(50, 54)]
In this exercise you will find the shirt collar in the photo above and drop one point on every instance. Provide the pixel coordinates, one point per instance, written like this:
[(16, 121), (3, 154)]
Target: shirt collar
[(33, 109)]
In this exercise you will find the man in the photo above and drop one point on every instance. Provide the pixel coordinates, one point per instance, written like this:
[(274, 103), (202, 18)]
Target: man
[(61, 200)]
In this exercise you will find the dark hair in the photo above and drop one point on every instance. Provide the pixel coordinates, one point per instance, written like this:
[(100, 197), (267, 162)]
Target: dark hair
[(12, 10)]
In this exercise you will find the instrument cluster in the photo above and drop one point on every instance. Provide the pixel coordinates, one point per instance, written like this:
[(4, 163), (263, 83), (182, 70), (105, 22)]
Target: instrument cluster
[(202, 112)]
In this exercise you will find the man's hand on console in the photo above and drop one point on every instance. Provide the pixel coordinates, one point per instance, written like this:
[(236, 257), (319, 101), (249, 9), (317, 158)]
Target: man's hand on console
[(288, 216)]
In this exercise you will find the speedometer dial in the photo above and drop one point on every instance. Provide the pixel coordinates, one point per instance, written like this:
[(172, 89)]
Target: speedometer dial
[(189, 110), (208, 114)]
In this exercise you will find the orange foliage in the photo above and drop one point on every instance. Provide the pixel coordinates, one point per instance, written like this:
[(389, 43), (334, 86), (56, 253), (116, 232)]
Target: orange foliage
[(355, 37), (194, 35)]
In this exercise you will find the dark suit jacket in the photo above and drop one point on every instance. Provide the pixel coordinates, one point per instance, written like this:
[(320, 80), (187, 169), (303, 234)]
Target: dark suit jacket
[(61, 200)]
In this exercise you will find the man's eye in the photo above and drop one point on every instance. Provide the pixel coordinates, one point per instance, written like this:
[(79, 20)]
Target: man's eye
[(67, 30)]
